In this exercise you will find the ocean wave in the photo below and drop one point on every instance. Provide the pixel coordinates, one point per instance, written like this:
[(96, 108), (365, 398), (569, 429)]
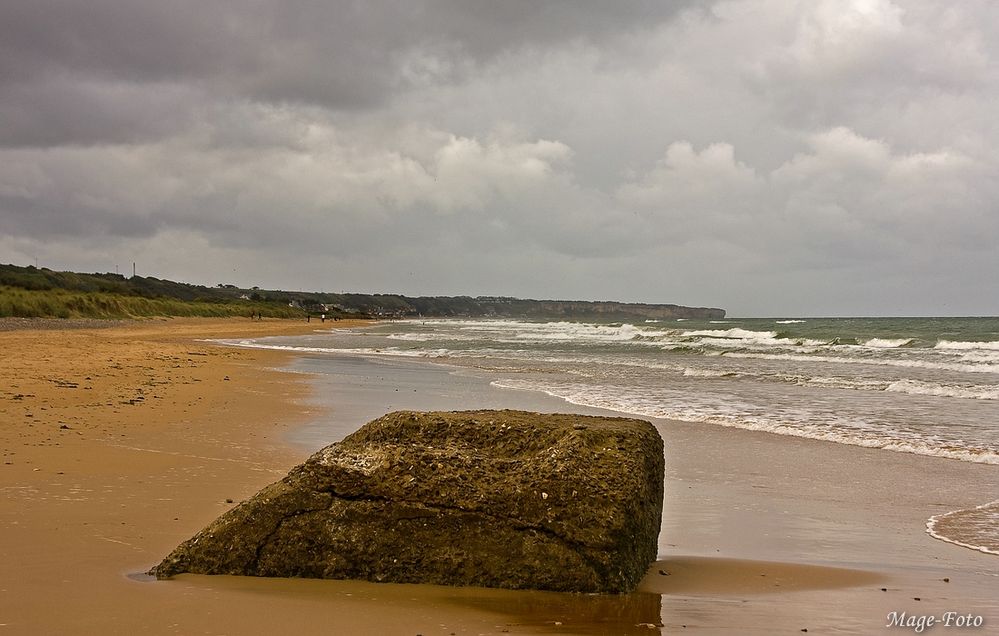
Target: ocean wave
[(691, 372), (860, 384), (888, 343), (460, 323), (762, 344), (905, 385), (915, 387), (428, 337), (365, 351), (583, 333), (736, 337), (734, 333), (988, 345), (975, 528), (682, 348), (564, 332), (683, 407), (789, 322), (975, 355), (907, 363), (844, 342)]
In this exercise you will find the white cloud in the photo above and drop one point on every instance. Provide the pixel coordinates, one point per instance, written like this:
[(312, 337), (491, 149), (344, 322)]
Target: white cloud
[(470, 174), (686, 177), (832, 34)]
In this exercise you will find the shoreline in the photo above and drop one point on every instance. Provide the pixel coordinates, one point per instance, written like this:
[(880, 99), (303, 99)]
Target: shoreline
[(139, 434), (742, 494)]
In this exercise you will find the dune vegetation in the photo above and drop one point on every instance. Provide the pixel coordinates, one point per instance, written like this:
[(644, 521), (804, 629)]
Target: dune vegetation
[(61, 303)]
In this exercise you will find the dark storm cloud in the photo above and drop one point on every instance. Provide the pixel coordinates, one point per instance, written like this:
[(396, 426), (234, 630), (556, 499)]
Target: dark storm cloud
[(109, 70), (57, 111)]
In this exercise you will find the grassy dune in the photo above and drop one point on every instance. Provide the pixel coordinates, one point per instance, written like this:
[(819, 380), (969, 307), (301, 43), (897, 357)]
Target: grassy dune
[(60, 303)]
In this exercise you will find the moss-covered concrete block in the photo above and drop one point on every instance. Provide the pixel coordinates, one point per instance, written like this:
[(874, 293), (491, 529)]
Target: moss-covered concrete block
[(490, 498)]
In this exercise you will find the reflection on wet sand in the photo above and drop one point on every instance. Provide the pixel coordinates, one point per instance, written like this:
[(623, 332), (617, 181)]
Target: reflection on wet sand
[(527, 611)]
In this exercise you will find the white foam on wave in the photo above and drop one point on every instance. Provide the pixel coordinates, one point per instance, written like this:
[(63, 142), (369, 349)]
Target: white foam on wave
[(618, 362), (428, 337), (976, 528), (975, 355), (905, 385), (745, 338), (762, 343), (585, 333), (789, 322), (458, 322), (365, 351), (691, 372), (908, 363), (990, 345), (887, 343), (834, 382), (734, 333), (973, 392), (734, 414), (516, 355)]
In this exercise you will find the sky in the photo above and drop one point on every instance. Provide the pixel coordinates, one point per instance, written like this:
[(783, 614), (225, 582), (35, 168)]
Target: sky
[(773, 158)]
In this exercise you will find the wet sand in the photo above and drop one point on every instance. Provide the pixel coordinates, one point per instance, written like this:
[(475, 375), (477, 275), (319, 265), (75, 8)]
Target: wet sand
[(119, 443), (734, 495)]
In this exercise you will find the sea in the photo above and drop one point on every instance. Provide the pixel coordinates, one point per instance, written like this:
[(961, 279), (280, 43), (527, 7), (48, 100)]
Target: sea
[(926, 386)]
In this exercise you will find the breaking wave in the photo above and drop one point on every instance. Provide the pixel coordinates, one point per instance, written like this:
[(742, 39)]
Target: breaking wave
[(975, 528), (888, 343), (681, 406)]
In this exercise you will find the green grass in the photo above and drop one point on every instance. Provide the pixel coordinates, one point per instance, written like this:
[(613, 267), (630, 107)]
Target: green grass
[(60, 303)]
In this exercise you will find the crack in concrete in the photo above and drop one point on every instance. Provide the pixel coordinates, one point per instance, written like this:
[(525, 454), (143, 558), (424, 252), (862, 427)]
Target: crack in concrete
[(255, 565)]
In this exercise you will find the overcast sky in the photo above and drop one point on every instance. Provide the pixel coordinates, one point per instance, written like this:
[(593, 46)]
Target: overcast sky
[(768, 157)]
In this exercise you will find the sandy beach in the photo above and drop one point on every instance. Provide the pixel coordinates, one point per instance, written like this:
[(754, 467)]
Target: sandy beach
[(118, 443)]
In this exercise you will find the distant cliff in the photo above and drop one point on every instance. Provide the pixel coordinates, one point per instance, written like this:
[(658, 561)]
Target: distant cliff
[(485, 306), (503, 307)]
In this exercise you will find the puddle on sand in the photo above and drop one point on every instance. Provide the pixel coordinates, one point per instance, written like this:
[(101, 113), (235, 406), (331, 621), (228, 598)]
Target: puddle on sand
[(140, 577)]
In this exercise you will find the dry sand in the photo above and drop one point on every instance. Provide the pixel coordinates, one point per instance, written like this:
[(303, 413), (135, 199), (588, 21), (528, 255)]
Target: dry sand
[(119, 443)]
